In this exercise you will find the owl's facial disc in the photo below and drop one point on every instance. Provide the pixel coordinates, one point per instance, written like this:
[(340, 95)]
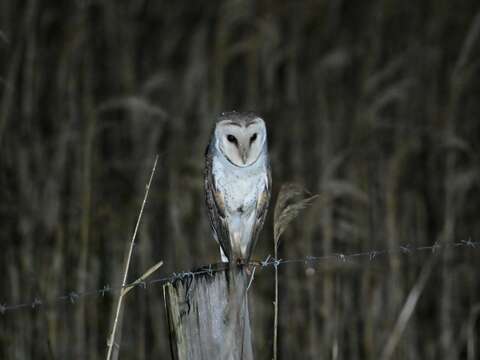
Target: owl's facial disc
[(241, 142)]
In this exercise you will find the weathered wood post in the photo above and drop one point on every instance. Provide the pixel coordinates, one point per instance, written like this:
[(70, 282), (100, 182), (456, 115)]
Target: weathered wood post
[(208, 315)]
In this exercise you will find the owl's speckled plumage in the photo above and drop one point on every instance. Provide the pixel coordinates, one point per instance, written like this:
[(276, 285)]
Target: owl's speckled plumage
[(237, 183)]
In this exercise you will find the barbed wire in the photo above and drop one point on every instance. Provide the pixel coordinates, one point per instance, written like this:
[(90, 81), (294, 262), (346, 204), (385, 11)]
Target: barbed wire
[(73, 297)]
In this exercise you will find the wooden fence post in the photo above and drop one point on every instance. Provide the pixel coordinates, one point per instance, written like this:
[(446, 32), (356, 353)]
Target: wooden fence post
[(208, 315)]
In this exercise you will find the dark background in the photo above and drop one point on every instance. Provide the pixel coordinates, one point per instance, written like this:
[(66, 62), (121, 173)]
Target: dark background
[(375, 105)]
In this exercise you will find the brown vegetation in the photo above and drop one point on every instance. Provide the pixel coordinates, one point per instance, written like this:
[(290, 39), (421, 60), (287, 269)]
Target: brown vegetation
[(373, 105)]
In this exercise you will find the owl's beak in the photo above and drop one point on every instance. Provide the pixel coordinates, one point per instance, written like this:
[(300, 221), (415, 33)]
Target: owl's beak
[(244, 154)]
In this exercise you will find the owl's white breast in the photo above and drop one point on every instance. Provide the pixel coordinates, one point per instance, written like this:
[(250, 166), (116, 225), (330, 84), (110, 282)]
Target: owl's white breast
[(239, 186)]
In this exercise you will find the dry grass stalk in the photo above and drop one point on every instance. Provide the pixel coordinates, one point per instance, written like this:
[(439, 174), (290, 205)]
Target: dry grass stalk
[(142, 279), (292, 199), (407, 311), (111, 340), (474, 313)]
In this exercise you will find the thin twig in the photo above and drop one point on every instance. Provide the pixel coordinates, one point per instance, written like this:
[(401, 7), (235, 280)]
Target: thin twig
[(275, 308), (251, 277), (474, 313), (111, 340), (141, 281)]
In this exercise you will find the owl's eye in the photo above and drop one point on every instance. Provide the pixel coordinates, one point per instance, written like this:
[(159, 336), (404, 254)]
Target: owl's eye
[(253, 138), (232, 139)]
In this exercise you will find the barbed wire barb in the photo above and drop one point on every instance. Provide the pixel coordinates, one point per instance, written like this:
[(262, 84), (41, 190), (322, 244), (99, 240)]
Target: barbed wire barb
[(36, 302), (73, 296), (104, 290), (265, 262)]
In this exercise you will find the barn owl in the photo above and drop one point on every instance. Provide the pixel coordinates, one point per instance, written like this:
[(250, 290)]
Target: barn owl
[(237, 183)]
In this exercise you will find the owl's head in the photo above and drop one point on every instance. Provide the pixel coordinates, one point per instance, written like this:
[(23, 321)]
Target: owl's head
[(240, 137)]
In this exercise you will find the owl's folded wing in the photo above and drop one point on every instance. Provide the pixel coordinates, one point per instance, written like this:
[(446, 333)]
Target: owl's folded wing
[(263, 202), (216, 207)]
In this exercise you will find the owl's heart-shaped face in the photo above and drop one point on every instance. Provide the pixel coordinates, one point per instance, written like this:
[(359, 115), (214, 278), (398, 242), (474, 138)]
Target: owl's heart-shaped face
[(240, 141)]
